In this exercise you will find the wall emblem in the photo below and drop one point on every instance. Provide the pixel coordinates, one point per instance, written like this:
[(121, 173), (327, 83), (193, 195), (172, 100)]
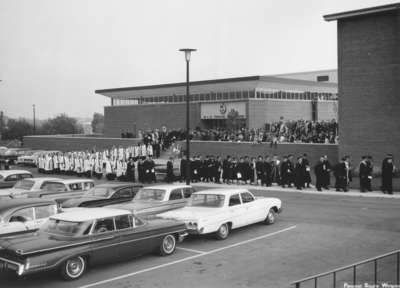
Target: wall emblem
[(222, 108)]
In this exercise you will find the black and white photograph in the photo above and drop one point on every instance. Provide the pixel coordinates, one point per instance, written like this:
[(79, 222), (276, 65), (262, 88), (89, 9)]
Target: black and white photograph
[(199, 143)]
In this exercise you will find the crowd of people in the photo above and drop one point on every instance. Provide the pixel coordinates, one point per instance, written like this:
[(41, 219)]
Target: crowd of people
[(116, 163), (286, 172), (277, 132)]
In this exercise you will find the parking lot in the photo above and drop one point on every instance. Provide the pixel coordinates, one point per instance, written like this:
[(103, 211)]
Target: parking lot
[(313, 234)]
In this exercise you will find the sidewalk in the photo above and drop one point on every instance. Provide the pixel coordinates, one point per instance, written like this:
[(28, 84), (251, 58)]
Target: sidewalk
[(275, 188)]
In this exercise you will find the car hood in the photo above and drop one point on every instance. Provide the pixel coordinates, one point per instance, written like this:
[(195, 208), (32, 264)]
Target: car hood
[(33, 243), (191, 213)]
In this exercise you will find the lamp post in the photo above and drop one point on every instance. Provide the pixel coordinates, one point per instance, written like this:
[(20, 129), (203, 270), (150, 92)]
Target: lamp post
[(188, 52), (34, 119)]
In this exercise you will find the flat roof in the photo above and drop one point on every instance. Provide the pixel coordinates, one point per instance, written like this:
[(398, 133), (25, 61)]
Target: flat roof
[(362, 12), (222, 191)]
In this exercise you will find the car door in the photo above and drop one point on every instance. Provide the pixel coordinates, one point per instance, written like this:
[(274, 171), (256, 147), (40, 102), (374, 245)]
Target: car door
[(236, 211), (187, 193), (105, 241), (43, 212), (253, 212), (134, 236), (10, 180), (19, 221), (176, 199)]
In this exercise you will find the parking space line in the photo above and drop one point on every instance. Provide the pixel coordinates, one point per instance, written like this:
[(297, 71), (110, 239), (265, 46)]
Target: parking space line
[(190, 250), (187, 258)]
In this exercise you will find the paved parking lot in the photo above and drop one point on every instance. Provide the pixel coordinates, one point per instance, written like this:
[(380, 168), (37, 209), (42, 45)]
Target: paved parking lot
[(314, 233)]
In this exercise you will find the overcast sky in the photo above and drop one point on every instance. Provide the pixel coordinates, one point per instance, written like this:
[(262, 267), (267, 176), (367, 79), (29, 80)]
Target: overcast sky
[(55, 53)]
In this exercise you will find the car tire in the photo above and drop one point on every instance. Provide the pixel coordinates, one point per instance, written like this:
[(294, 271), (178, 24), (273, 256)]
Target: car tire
[(270, 218), (73, 268), (168, 245), (222, 232)]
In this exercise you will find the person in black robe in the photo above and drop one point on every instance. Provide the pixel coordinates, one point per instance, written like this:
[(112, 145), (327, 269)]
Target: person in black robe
[(299, 174), (267, 171), (183, 168), (260, 170), (286, 172), (327, 173), (319, 170), (388, 169), (170, 177), (370, 165), (307, 169), (217, 170), (363, 174), (226, 170), (140, 166), (343, 175), (130, 170)]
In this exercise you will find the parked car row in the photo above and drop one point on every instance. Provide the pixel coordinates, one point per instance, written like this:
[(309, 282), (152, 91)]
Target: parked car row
[(117, 221)]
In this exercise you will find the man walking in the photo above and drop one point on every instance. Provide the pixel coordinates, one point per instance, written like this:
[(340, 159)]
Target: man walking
[(387, 174)]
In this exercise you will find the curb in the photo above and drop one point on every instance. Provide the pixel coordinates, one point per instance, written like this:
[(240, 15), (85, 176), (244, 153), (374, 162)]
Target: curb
[(351, 193)]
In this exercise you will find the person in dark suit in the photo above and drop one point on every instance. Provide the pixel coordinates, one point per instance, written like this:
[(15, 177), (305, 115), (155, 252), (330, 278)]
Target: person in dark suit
[(183, 168), (260, 170), (319, 170), (217, 169), (286, 172), (267, 172), (388, 169), (363, 174), (370, 165), (226, 171)]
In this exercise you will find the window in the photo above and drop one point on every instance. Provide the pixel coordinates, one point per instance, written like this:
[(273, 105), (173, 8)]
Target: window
[(219, 96), (45, 211), (226, 96), (234, 200), (213, 96), (76, 186), (104, 225), (247, 197), (187, 192), (238, 94), (123, 193), (251, 94), (208, 97), (12, 178), (123, 222), (53, 186), (232, 95), (22, 215), (175, 194), (245, 94), (322, 78), (23, 176), (258, 95), (88, 185), (201, 97)]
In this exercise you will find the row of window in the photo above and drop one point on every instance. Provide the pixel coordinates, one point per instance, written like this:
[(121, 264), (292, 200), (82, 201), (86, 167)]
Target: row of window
[(252, 94)]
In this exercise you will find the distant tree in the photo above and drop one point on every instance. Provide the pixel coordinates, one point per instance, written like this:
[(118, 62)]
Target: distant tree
[(232, 120), (17, 129), (61, 124), (98, 123)]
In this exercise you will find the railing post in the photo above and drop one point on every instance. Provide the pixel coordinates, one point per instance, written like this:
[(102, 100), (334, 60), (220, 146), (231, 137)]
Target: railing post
[(398, 268), (354, 275), (315, 282), (334, 279), (298, 285), (376, 272)]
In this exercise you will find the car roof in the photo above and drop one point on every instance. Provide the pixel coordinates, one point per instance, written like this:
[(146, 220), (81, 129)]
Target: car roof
[(71, 181), (223, 191), (43, 179), (88, 214), (7, 204), (168, 186), (117, 185), (10, 172)]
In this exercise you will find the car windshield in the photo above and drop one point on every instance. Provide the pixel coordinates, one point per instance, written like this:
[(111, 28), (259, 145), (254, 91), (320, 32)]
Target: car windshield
[(101, 192), (66, 228), (150, 194), (207, 200), (24, 184)]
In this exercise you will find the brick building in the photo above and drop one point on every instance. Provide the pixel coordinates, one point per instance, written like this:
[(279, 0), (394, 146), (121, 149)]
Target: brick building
[(369, 81), (256, 99)]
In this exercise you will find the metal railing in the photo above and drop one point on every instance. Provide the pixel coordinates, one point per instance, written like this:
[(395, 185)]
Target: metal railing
[(353, 266)]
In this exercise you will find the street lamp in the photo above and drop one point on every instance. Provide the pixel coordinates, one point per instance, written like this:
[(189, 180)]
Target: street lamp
[(188, 52), (34, 119)]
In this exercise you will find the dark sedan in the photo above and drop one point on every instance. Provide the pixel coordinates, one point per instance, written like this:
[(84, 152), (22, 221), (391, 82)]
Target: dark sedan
[(70, 241), (104, 194)]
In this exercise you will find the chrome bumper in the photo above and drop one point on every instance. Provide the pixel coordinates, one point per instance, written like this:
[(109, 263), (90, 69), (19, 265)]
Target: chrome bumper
[(6, 264), (182, 236)]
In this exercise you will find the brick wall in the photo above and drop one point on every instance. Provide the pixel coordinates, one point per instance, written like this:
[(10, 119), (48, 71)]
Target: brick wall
[(68, 143), (369, 81), (314, 151)]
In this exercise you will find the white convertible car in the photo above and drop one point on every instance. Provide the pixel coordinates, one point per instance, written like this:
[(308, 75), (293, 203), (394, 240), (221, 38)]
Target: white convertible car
[(221, 210)]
